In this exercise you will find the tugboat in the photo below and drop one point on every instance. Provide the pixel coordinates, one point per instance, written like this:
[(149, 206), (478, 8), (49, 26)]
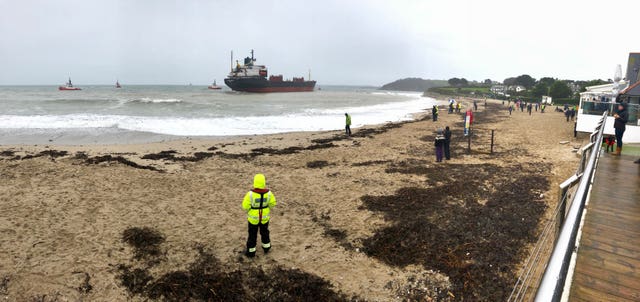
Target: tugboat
[(118, 84), (253, 78), (214, 86), (68, 86)]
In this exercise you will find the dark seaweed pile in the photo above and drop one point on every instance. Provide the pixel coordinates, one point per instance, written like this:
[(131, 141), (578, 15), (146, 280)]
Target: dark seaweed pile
[(317, 164), (207, 279), (119, 159), (370, 163), (446, 226), (50, 153), (144, 240), (171, 155)]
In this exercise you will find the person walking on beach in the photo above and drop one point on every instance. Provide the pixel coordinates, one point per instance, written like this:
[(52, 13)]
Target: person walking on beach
[(434, 113), (510, 109), (458, 107), (258, 204), (529, 108), (619, 124), (447, 143), (542, 108), (439, 144), (475, 105), (537, 104), (347, 127)]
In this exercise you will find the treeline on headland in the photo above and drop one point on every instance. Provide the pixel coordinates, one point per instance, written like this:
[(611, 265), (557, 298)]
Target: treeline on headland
[(413, 84), (522, 87)]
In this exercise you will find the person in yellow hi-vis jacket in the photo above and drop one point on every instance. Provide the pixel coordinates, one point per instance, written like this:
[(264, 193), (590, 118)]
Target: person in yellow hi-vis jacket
[(258, 204)]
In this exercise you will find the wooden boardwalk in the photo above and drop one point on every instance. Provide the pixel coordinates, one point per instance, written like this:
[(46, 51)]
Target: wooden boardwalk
[(608, 263)]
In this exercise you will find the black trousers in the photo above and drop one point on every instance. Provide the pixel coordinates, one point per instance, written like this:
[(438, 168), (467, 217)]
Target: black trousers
[(619, 133), (447, 153), (347, 128), (253, 234)]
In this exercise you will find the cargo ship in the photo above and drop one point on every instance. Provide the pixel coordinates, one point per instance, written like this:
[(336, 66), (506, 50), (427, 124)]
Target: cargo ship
[(251, 77)]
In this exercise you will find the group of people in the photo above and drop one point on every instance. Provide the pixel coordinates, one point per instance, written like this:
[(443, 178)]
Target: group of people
[(442, 144), (569, 112), (522, 105), (454, 106)]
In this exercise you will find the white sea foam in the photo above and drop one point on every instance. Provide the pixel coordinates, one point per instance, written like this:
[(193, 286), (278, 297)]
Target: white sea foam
[(150, 100), (308, 120)]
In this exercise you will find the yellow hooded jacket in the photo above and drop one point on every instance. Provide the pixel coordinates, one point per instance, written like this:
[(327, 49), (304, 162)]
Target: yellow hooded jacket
[(259, 201)]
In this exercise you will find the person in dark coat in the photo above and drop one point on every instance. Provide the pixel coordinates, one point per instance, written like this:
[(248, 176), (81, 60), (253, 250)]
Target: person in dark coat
[(447, 143), (621, 119), (439, 144)]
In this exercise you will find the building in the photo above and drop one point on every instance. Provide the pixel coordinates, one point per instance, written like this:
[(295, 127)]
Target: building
[(498, 89), (516, 88), (598, 99)]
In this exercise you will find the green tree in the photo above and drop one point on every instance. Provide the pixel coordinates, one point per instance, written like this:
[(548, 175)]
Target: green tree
[(560, 89), (509, 81), (548, 81), (585, 84), (526, 81), (487, 82), (456, 82), (540, 89)]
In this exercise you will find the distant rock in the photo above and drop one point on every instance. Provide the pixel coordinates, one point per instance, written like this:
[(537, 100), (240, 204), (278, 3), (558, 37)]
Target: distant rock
[(414, 84)]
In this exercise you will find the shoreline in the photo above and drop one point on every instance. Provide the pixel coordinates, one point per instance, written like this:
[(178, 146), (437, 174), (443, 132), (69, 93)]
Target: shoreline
[(69, 211), (112, 142)]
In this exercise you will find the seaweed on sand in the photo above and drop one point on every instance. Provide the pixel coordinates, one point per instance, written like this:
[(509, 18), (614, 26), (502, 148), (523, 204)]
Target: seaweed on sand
[(119, 159), (145, 241), (472, 223), (207, 279), (171, 155)]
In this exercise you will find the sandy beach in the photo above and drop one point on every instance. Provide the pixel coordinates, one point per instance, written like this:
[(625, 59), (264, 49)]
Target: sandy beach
[(374, 216)]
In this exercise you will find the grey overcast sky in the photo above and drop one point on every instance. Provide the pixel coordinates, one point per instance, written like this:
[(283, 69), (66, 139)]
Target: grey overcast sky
[(341, 41)]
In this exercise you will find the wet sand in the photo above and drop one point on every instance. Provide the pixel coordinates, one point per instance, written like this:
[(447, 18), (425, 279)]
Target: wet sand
[(62, 215)]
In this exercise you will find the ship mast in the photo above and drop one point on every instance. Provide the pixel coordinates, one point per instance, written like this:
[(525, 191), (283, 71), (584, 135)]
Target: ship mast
[(232, 61)]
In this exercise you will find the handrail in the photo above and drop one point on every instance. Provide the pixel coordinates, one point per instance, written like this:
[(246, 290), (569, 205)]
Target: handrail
[(555, 275)]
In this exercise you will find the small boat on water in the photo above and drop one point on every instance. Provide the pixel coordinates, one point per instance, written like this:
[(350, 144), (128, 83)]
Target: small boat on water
[(68, 86), (214, 86), (118, 84)]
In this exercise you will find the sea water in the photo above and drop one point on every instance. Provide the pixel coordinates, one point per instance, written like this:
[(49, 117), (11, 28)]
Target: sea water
[(104, 114)]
